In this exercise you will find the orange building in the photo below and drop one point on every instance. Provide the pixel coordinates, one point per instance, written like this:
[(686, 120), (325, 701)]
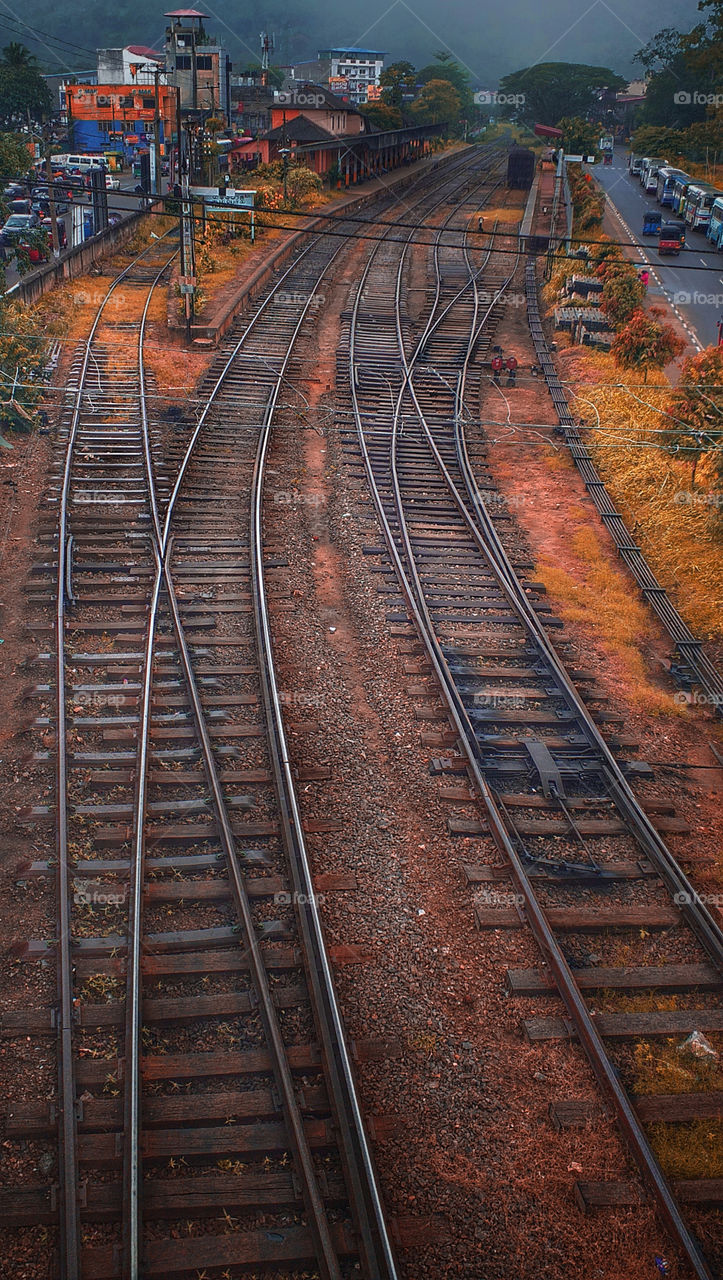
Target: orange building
[(119, 117)]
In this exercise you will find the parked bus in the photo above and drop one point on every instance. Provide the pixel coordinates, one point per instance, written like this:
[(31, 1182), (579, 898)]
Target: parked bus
[(634, 163), (714, 230), (698, 204), (680, 193), (667, 178)]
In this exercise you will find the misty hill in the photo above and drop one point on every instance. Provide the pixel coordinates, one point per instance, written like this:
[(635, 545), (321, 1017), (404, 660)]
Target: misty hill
[(490, 39)]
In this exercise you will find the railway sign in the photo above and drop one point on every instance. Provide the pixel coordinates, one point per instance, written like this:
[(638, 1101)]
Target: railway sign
[(232, 197)]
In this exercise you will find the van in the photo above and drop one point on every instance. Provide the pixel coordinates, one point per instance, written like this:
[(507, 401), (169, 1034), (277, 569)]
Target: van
[(650, 175), (83, 162), (634, 163)]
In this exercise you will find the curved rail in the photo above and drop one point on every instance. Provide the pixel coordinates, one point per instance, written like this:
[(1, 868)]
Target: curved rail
[(69, 1217), (413, 591)]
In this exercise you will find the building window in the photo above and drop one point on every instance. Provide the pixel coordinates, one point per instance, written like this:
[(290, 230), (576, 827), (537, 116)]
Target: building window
[(204, 62), (183, 62), (148, 103)]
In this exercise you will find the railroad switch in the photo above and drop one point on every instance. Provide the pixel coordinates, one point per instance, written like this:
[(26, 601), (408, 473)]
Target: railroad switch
[(548, 772)]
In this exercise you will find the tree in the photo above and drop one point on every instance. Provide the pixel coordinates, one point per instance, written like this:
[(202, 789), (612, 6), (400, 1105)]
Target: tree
[(14, 156), (445, 68), (579, 137), (645, 344), (437, 102), (23, 90), (551, 90), (396, 80), (603, 254), (622, 295), (660, 51), (697, 406), (383, 116)]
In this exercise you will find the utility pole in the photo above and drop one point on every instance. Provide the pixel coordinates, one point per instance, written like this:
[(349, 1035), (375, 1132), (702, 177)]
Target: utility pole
[(51, 197), (179, 144), (188, 246), (158, 184)]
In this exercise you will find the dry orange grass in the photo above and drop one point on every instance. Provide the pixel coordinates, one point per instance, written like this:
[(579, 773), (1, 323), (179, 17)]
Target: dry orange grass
[(596, 593), (678, 526)]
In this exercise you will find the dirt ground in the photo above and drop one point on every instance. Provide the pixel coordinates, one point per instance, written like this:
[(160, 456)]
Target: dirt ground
[(459, 1099)]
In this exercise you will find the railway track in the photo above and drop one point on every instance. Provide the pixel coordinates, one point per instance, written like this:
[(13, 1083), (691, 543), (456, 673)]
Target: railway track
[(571, 851), (203, 1075)]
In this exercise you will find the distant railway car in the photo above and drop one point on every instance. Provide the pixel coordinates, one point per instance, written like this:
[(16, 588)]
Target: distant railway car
[(521, 168)]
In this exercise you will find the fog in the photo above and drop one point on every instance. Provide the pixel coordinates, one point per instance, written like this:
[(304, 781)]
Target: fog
[(489, 39)]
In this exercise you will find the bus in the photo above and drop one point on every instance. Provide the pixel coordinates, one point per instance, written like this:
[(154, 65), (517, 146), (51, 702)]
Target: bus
[(714, 230), (667, 178), (680, 193), (698, 205)]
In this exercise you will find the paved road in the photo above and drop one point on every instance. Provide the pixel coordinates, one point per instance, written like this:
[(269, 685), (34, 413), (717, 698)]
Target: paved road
[(124, 202), (695, 296)]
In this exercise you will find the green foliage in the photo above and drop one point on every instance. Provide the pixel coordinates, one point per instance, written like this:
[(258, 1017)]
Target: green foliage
[(383, 116), (622, 295), (697, 404), (23, 357), (644, 343), (302, 184), (14, 156), (445, 68), (579, 137), (587, 199), (396, 80), (437, 102), (554, 90), (687, 76), (24, 93)]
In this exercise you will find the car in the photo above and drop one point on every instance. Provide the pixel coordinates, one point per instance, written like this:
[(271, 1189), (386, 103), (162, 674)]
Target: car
[(41, 199), (36, 253), (15, 191), (47, 225), (22, 205), (112, 183), (18, 225)]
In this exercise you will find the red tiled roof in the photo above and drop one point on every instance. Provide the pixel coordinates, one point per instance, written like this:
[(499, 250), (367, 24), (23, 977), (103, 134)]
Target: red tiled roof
[(143, 51)]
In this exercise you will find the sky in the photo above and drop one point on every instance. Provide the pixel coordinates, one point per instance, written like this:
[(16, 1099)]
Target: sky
[(487, 37)]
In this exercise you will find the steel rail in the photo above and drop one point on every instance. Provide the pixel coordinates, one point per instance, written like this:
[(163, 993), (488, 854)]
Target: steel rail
[(375, 1244), (133, 1011), (374, 1240), (589, 1037), (327, 1256), (67, 1119), (489, 543)]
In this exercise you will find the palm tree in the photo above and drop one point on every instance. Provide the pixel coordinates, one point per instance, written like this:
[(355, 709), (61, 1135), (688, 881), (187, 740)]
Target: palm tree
[(17, 57)]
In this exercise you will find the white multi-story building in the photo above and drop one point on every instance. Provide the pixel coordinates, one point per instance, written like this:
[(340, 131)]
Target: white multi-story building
[(346, 71)]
